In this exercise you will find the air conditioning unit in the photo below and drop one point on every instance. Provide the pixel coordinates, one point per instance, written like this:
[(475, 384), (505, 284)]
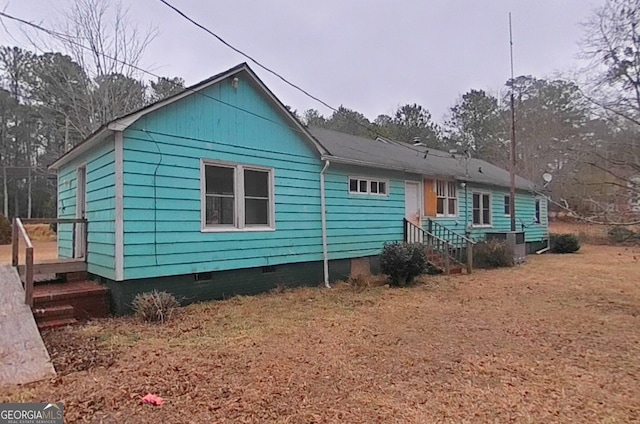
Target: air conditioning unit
[(515, 241)]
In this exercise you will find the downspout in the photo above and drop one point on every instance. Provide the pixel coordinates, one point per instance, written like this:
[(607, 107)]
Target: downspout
[(323, 214)]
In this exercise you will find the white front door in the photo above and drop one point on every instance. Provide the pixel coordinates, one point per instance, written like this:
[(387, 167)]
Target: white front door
[(412, 202), (81, 204)]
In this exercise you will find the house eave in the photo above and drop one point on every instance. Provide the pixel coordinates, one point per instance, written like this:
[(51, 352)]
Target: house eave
[(95, 139)]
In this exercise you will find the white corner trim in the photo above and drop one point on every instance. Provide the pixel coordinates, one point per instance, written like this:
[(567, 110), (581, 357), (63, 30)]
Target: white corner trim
[(119, 205)]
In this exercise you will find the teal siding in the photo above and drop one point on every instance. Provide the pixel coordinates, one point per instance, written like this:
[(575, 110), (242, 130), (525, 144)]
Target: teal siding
[(525, 214), (358, 224), (162, 206), (100, 208)]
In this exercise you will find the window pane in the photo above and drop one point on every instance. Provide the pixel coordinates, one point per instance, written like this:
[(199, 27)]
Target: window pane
[(256, 211), (452, 207), (363, 186), (256, 183), (382, 187), (486, 216), (476, 201), (353, 185), (440, 206), (537, 211), (219, 210), (374, 186), (476, 216), (452, 192), (219, 180), (507, 205)]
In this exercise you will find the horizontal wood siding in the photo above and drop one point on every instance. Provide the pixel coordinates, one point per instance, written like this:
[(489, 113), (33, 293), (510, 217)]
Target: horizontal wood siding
[(525, 214), (162, 153), (358, 224), (100, 210)]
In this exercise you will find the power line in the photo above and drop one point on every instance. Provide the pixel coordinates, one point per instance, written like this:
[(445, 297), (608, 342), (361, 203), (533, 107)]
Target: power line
[(67, 38), (271, 71), (237, 50)]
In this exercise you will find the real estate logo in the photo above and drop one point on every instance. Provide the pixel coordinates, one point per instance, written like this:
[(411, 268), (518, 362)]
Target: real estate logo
[(31, 413)]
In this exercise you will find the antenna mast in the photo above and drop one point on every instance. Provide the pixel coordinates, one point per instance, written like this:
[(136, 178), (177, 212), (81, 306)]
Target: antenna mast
[(512, 168)]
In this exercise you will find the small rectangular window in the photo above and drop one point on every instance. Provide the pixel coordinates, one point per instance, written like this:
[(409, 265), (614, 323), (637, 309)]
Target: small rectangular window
[(367, 186), (507, 205), (537, 217)]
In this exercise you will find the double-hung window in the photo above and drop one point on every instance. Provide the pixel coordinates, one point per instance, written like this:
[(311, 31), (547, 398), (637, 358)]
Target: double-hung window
[(446, 198), (482, 209), (236, 196), (537, 216), (507, 205)]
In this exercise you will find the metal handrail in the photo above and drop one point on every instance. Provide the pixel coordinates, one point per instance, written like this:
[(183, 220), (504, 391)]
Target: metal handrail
[(432, 223), (448, 250)]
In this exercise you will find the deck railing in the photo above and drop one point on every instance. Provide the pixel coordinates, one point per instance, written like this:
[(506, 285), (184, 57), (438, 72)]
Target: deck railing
[(19, 231)]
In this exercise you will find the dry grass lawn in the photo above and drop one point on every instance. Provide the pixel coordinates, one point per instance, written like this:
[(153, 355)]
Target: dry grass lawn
[(554, 340)]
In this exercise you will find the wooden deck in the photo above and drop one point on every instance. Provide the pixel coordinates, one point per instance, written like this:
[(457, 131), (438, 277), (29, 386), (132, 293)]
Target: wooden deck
[(23, 356)]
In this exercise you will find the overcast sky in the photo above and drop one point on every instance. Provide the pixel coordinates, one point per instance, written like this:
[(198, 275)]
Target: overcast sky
[(371, 56)]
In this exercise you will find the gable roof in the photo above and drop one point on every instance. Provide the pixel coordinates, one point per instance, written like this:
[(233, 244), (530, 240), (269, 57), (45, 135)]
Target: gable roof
[(123, 122), (389, 154)]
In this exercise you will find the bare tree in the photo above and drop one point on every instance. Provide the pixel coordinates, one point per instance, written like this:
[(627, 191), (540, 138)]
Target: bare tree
[(612, 44)]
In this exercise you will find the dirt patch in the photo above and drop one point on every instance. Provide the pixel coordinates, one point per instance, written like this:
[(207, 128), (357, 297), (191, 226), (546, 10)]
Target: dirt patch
[(553, 340), (40, 232), (43, 250)]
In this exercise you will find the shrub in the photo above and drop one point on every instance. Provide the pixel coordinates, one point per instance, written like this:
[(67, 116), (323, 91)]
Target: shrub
[(155, 306), (492, 254), (623, 235), (5, 230), (564, 243), (403, 262)]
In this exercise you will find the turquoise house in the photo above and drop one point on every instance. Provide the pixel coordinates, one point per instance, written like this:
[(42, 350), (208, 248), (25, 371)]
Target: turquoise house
[(219, 190)]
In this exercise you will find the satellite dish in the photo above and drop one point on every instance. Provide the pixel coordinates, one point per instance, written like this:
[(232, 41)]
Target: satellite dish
[(547, 177)]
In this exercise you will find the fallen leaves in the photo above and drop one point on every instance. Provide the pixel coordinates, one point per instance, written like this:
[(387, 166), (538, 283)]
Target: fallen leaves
[(528, 344)]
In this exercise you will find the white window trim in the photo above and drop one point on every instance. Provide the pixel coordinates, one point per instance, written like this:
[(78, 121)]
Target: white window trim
[(238, 190), (537, 201), (446, 199), (368, 180), (490, 225), (505, 198)]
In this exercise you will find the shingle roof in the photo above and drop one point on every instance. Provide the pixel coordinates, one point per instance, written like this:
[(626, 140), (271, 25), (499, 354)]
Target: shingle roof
[(414, 159)]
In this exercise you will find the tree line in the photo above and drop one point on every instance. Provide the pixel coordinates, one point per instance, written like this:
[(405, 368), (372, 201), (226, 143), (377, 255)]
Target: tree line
[(581, 130)]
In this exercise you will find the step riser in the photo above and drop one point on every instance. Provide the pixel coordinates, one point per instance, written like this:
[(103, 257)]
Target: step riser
[(56, 323), (84, 308), (57, 312)]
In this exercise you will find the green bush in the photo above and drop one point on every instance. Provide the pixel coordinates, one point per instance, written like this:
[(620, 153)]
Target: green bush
[(564, 243), (403, 262), (619, 234), (155, 306), (492, 254), (5, 230)]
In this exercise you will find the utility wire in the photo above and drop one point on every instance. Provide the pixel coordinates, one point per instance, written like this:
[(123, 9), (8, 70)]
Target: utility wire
[(68, 38), (237, 50), (271, 71)]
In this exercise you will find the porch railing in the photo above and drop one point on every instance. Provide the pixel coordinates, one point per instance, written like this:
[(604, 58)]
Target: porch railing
[(449, 246), (19, 232)]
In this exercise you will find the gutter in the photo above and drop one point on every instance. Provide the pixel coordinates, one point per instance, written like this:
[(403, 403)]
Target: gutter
[(323, 214)]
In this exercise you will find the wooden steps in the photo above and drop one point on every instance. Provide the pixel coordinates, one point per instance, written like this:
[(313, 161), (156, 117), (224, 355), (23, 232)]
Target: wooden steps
[(60, 304)]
